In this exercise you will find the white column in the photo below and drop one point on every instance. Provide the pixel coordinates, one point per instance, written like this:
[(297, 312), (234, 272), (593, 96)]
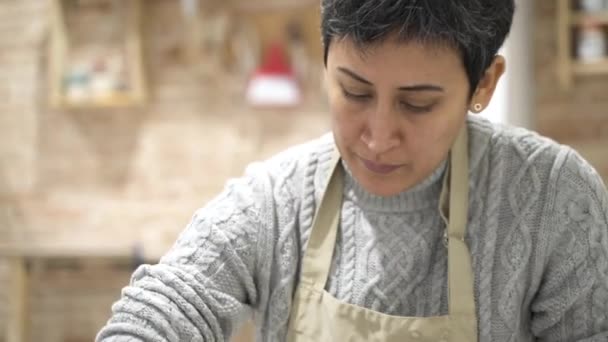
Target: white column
[(520, 85), (513, 102)]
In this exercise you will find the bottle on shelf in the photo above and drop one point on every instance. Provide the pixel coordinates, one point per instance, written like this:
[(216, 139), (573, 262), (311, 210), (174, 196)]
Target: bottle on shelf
[(591, 45), (593, 6)]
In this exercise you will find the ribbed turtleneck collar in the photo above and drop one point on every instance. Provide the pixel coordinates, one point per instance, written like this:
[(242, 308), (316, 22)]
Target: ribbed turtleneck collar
[(424, 195)]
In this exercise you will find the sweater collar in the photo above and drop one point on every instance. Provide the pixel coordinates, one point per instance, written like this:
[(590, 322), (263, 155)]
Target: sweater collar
[(425, 194)]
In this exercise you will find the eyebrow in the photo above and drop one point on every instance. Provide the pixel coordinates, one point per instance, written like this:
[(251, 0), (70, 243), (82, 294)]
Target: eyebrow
[(417, 87)]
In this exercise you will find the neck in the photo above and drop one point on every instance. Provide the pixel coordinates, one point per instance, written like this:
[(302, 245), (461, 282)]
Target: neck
[(423, 195)]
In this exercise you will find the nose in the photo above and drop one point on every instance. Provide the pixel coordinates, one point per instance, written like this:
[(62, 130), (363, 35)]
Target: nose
[(381, 133)]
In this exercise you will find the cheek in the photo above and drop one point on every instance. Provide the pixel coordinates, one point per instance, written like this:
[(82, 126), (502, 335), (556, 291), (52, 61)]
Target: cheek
[(347, 121), (345, 129), (431, 140)]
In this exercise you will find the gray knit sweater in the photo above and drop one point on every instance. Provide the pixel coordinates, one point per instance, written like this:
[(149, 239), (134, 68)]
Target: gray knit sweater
[(538, 233)]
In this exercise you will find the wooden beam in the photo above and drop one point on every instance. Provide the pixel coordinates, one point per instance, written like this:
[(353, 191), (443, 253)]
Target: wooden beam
[(135, 52), (65, 252), (18, 303), (57, 50), (564, 43)]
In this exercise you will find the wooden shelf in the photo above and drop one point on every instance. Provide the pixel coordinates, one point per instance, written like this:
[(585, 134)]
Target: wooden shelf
[(131, 48), (591, 68), (579, 18), (118, 101), (261, 6), (568, 67), (23, 261), (65, 252)]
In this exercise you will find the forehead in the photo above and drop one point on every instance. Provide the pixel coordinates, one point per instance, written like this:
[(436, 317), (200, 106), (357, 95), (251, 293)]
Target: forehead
[(397, 61)]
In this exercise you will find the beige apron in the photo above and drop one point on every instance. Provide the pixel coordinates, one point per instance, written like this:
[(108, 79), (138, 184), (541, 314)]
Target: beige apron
[(318, 316)]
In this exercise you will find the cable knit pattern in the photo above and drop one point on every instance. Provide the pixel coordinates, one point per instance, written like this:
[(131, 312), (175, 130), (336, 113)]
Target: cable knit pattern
[(538, 234)]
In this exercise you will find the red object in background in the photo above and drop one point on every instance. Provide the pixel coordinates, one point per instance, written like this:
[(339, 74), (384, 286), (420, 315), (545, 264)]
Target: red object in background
[(276, 62), (274, 83)]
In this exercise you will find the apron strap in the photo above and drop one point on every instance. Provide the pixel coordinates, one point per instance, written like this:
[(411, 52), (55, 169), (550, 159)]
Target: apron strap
[(460, 273), (318, 255), (317, 258), (459, 186)]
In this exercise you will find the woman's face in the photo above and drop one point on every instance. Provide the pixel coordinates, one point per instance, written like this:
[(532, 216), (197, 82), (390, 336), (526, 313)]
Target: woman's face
[(397, 108)]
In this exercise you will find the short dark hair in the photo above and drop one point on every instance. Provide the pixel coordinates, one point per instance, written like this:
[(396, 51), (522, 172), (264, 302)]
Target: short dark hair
[(477, 28)]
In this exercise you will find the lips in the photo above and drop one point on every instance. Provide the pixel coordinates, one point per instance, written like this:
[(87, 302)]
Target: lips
[(382, 169)]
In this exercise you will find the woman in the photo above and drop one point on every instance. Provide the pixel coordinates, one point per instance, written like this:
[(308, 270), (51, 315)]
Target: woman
[(432, 224)]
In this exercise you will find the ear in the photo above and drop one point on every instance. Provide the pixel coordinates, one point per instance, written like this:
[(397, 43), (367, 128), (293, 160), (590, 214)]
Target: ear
[(487, 84)]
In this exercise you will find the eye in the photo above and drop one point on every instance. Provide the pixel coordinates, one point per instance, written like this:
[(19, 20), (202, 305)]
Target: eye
[(417, 109), (355, 97)]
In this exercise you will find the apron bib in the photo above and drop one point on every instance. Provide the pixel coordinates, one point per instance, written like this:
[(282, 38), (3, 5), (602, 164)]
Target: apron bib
[(317, 316)]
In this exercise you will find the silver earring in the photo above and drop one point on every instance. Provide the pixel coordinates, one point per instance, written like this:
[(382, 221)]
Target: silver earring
[(478, 107)]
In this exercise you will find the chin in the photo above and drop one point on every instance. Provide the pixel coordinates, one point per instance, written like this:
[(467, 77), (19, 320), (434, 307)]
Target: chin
[(379, 185), (383, 190)]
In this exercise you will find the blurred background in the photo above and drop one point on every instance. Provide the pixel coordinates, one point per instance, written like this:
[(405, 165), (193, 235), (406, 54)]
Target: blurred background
[(119, 118)]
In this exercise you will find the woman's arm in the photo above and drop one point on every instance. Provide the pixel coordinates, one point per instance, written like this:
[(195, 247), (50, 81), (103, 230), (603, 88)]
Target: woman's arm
[(205, 287), (572, 302)]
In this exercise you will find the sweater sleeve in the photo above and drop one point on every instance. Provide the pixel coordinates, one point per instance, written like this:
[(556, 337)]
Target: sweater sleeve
[(205, 287), (572, 301)]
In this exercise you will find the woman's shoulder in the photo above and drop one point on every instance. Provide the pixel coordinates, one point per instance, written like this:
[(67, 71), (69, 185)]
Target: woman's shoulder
[(297, 158), (500, 135), (527, 152), (516, 146), (290, 171)]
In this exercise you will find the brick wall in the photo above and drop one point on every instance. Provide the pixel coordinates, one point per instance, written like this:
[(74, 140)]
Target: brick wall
[(3, 298), (577, 117), (90, 176), (20, 41)]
